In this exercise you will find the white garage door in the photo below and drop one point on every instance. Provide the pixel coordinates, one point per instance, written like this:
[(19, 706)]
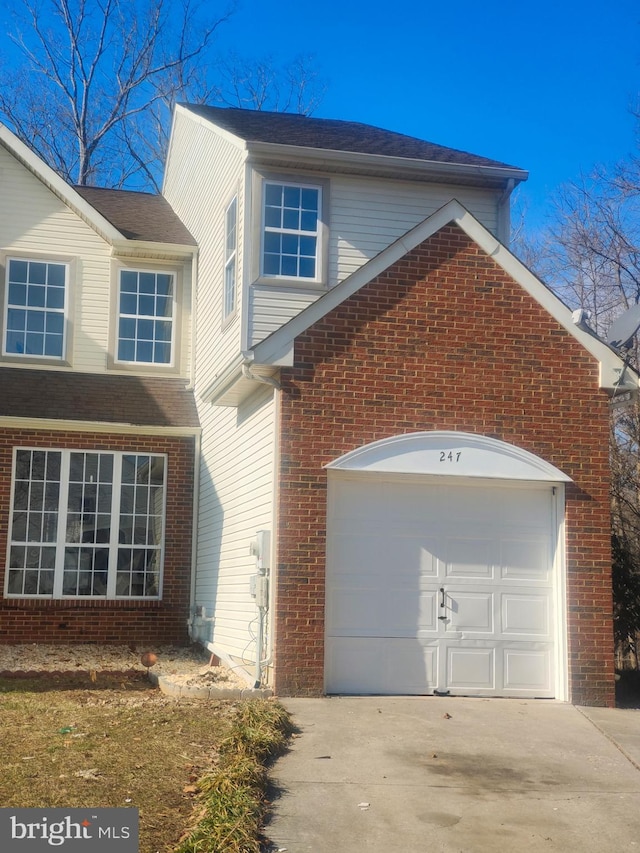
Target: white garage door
[(434, 585)]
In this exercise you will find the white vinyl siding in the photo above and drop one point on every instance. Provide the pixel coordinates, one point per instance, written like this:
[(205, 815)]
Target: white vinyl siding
[(38, 226), (366, 215), (204, 171), (236, 500)]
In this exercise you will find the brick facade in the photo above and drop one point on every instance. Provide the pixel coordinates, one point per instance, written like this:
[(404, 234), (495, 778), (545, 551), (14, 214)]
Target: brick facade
[(442, 340), (101, 621)]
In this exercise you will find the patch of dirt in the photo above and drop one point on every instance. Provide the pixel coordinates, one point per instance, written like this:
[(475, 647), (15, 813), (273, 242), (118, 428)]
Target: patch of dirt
[(104, 666)]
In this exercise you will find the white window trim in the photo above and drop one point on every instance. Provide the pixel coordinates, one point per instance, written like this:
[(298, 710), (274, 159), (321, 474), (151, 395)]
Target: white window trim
[(260, 179), (143, 365), (229, 259), (60, 542), (42, 259)]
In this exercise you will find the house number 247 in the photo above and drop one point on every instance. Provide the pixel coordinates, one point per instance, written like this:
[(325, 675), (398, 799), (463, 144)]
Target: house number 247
[(451, 456)]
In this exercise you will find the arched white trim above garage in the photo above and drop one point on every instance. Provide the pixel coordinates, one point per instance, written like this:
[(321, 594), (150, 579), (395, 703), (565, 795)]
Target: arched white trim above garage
[(451, 454), (445, 569)]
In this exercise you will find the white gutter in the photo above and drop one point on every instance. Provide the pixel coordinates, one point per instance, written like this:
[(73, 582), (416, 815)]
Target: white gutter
[(327, 156)]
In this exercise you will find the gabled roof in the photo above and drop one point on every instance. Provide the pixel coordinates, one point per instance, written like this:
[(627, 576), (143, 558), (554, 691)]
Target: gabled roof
[(137, 215), (301, 131), (278, 348)]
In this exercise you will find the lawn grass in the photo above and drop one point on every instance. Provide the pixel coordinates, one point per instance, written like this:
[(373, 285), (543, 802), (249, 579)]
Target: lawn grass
[(120, 742)]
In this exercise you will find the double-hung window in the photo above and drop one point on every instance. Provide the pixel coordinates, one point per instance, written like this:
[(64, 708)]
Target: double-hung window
[(291, 231), (35, 308), (146, 317), (230, 256), (86, 524)]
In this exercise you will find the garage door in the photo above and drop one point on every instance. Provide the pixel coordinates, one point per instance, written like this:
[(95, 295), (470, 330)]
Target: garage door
[(437, 584)]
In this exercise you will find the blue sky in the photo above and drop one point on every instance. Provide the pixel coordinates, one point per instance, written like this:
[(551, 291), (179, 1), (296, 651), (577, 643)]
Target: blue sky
[(546, 85)]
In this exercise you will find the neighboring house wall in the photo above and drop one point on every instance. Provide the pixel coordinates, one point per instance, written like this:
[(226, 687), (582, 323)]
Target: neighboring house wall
[(97, 620), (443, 340), (236, 500)]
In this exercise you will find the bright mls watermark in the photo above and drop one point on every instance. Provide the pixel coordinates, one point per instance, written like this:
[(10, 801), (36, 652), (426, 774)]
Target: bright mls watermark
[(70, 830)]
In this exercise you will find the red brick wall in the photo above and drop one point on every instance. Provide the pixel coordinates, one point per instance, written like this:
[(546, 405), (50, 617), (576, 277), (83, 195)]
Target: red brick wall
[(75, 621), (443, 340)]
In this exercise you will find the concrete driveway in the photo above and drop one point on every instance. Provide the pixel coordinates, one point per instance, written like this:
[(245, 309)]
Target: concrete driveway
[(442, 775)]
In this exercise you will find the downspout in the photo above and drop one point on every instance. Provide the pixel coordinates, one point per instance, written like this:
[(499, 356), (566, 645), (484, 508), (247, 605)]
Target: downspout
[(194, 531), (261, 659), (504, 213)]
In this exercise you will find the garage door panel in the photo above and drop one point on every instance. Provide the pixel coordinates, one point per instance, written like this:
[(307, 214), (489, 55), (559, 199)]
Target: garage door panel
[(525, 558), (470, 669), (469, 558), (372, 612), (381, 666), (529, 670), (526, 615), (471, 612)]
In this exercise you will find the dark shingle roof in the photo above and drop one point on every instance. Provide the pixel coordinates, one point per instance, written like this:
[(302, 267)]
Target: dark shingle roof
[(138, 216), (103, 398), (333, 134)]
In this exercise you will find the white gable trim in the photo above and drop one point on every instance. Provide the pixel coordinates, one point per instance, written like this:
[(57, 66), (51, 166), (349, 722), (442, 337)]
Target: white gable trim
[(278, 347), (451, 454), (58, 186)]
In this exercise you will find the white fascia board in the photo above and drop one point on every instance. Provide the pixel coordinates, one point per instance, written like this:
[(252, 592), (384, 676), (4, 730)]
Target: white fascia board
[(327, 156), (58, 186), (279, 345), (50, 424)]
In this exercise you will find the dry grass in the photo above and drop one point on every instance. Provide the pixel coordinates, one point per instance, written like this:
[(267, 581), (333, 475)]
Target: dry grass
[(119, 742)]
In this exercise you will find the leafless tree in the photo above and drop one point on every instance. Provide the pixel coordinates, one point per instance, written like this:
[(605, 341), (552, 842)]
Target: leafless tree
[(590, 255), (95, 82)]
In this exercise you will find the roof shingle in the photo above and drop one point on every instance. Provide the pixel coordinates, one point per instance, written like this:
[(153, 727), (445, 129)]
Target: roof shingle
[(333, 134), (138, 216)]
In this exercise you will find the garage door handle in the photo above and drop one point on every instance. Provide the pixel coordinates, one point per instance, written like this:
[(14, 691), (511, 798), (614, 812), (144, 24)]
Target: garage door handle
[(442, 604)]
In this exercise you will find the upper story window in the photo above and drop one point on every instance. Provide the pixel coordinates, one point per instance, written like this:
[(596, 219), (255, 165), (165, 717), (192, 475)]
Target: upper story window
[(146, 317), (230, 259), (291, 230), (86, 524), (35, 308)]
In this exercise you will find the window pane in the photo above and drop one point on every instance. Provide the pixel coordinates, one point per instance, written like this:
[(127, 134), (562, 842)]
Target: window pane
[(56, 275), (310, 199), (307, 267), (273, 194), (126, 351), (289, 265), (128, 281), (309, 222), (36, 296), (129, 303), (18, 271), (292, 197), (162, 353), (271, 265), (291, 219), (17, 294)]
